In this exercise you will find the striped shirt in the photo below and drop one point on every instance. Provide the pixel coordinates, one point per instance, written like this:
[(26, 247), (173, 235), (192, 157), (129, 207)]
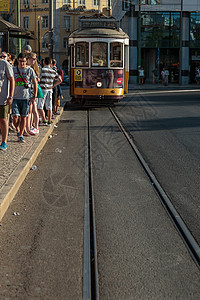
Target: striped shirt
[(47, 78)]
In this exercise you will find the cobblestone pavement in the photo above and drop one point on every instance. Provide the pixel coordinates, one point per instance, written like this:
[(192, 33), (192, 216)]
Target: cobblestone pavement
[(10, 159), (20, 155)]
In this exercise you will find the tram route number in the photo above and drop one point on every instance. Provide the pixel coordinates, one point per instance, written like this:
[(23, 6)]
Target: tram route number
[(78, 75)]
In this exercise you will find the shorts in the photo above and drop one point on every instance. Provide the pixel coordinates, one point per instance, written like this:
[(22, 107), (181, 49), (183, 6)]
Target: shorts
[(4, 109), (47, 100), (20, 107), (57, 102)]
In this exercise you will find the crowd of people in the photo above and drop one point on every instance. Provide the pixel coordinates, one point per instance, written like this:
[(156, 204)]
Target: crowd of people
[(164, 76), (30, 94)]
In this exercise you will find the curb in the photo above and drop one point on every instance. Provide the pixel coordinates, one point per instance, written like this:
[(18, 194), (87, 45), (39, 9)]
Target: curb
[(17, 177)]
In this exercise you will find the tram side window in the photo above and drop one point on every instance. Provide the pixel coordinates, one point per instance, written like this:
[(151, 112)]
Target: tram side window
[(116, 54), (99, 54), (82, 54)]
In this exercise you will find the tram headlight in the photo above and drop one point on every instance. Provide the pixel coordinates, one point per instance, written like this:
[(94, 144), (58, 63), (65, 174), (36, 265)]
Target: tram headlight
[(99, 84)]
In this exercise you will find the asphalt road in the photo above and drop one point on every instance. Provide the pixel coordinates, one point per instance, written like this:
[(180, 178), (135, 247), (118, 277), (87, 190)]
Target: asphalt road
[(140, 254), (165, 127)]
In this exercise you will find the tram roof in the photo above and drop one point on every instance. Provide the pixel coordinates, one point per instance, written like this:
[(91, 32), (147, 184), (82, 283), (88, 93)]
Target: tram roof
[(98, 32)]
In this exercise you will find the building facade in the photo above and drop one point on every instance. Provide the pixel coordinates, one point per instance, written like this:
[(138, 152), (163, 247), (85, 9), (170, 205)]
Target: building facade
[(163, 33), (34, 16)]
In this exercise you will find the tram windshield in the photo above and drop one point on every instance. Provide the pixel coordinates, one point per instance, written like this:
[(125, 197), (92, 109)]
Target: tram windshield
[(99, 54), (82, 54), (116, 54)]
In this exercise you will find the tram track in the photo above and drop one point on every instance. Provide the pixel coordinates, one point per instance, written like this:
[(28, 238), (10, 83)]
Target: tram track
[(90, 264), (90, 268), (185, 234)]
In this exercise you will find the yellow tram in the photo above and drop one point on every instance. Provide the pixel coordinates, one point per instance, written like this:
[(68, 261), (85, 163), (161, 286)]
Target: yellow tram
[(99, 60)]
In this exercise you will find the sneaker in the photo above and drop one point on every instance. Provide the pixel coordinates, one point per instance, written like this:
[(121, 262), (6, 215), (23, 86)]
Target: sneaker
[(44, 123), (18, 134), (36, 131), (3, 146), (21, 139)]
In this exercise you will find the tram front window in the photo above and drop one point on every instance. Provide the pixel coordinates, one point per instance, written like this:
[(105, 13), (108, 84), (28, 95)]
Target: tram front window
[(99, 54), (82, 54), (116, 54)]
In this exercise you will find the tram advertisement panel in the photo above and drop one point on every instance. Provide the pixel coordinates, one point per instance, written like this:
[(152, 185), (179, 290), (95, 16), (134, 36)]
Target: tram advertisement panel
[(90, 78)]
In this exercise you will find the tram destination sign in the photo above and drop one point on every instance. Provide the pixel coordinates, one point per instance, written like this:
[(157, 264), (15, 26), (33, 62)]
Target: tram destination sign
[(99, 24)]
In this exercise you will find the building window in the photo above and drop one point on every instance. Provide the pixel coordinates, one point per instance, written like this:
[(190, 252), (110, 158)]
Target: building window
[(195, 30), (26, 22), (65, 42), (25, 2), (160, 30), (44, 44), (67, 22), (96, 2), (66, 2), (45, 1), (81, 2), (125, 5), (150, 2), (45, 40), (45, 22)]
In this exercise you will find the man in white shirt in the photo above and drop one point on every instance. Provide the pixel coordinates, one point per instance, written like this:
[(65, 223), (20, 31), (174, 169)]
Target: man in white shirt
[(7, 85)]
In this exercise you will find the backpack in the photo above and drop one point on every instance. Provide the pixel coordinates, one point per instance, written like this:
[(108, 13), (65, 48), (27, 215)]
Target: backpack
[(61, 73)]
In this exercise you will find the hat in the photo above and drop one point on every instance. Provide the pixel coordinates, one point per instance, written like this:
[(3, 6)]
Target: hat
[(28, 48)]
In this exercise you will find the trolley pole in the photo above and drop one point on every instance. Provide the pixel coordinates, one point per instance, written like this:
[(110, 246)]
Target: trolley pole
[(50, 45)]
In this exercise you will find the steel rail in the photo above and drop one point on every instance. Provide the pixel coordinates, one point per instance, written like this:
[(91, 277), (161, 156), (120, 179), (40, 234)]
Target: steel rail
[(175, 217), (90, 267)]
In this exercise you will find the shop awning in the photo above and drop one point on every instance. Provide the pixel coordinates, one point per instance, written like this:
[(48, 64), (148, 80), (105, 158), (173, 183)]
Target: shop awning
[(14, 30)]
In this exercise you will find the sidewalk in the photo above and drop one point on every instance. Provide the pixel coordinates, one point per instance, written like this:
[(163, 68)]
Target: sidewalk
[(170, 86), (16, 162)]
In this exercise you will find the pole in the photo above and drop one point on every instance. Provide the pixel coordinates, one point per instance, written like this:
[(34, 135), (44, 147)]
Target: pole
[(50, 46), (18, 24), (109, 7), (180, 44), (139, 35), (158, 64), (39, 40)]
